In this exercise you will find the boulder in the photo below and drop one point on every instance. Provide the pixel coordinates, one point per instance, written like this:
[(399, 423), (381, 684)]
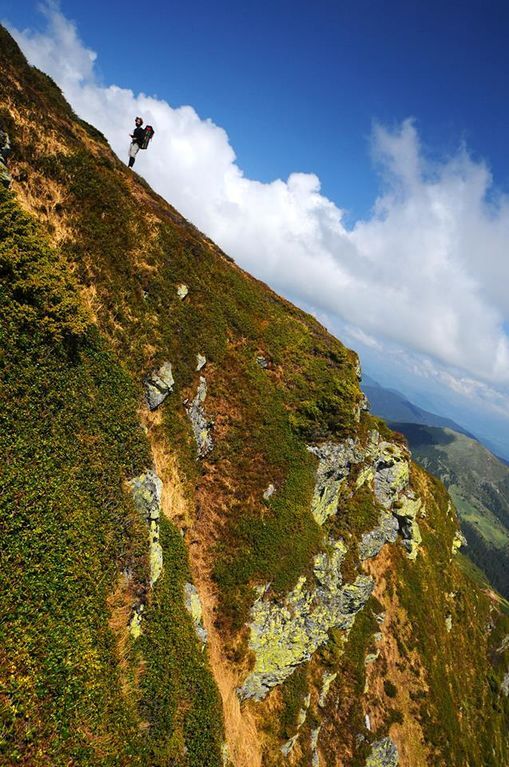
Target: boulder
[(193, 606), (158, 385), (200, 423), (383, 754)]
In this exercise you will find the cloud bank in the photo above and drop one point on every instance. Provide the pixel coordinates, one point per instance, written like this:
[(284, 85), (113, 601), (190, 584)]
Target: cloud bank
[(427, 273)]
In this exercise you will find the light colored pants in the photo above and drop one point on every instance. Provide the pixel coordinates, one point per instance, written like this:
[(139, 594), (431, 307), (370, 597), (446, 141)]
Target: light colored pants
[(133, 149)]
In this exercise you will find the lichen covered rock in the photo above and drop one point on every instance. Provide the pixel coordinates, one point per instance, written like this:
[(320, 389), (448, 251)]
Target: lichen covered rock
[(333, 468), (193, 606), (459, 540), (327, 680), (285, 633), (182, 291), (158, 385), (5, 148), (372, 542), (383, 754), (392, 472), (147, 490), (315, 756), (201, 424)]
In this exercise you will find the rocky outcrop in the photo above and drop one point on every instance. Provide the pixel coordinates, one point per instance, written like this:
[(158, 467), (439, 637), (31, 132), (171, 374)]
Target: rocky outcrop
[(285, 633), (201, 424), (194, 608), (158, 385), (334, 462), (383, 754), (458, 542), (315, 756), (385, 466), (201, 361), (372, 542), (327, 680), (5, 150), (147, 490)]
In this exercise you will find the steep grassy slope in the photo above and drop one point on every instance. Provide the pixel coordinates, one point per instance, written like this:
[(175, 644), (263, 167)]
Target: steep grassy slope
[(479, 485), (261, 604)]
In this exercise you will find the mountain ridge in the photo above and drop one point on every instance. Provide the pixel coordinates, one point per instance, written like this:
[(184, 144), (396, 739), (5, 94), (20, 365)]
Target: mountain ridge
[(214, 555)]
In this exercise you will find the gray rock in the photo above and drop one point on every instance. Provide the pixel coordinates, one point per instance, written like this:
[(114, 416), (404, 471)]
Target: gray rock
[(334, 465), (5, 150), (387, 532), (505, 685), (285, 633), (262, 362), (315, 756), (147, 490), (201, 361), (201, 424), (193, 606), (383, 754), (158, 385), (287, 748), (182, 291), (270, 490)]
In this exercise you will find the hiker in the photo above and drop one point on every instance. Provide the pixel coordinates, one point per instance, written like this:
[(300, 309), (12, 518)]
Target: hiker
[(138, 137), (5, 150)]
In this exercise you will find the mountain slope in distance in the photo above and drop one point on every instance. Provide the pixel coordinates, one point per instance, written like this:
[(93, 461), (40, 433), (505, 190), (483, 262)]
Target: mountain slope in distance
[(478, 483), (391, 405)]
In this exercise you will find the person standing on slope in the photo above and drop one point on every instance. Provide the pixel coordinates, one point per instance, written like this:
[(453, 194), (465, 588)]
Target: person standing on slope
[(138, 137)]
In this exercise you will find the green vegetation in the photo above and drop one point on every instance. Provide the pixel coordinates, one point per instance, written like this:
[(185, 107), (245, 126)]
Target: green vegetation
[(177, 691), (478, 483), (69, 438), (428, 601)]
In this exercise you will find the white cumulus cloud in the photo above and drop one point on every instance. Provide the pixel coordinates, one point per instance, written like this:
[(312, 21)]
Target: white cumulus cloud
[(428, 271)]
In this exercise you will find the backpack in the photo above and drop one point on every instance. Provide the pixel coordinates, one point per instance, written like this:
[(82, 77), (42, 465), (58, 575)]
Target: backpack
[(149, 133)]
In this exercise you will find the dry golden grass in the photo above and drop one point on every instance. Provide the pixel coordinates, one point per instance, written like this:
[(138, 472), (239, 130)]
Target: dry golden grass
[(406, 674)]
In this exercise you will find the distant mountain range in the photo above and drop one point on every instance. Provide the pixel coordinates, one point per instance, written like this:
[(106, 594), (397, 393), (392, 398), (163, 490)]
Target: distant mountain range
[(391, 405), (477, 480)]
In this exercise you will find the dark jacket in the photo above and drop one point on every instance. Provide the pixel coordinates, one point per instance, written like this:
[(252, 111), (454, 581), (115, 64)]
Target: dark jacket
[(138, 135)]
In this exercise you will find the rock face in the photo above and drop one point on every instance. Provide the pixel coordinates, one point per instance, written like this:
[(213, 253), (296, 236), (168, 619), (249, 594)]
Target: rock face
[(387, 532), (458, 541), (286, 633), (201, 424), (158, 385), (383, 754), (194, 608), (5, 150), (146, 490), (333, 468), (385, 465), (327, 680)]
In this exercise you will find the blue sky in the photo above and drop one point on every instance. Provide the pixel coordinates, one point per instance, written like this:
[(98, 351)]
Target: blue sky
[(351, 154), (298, 84)]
